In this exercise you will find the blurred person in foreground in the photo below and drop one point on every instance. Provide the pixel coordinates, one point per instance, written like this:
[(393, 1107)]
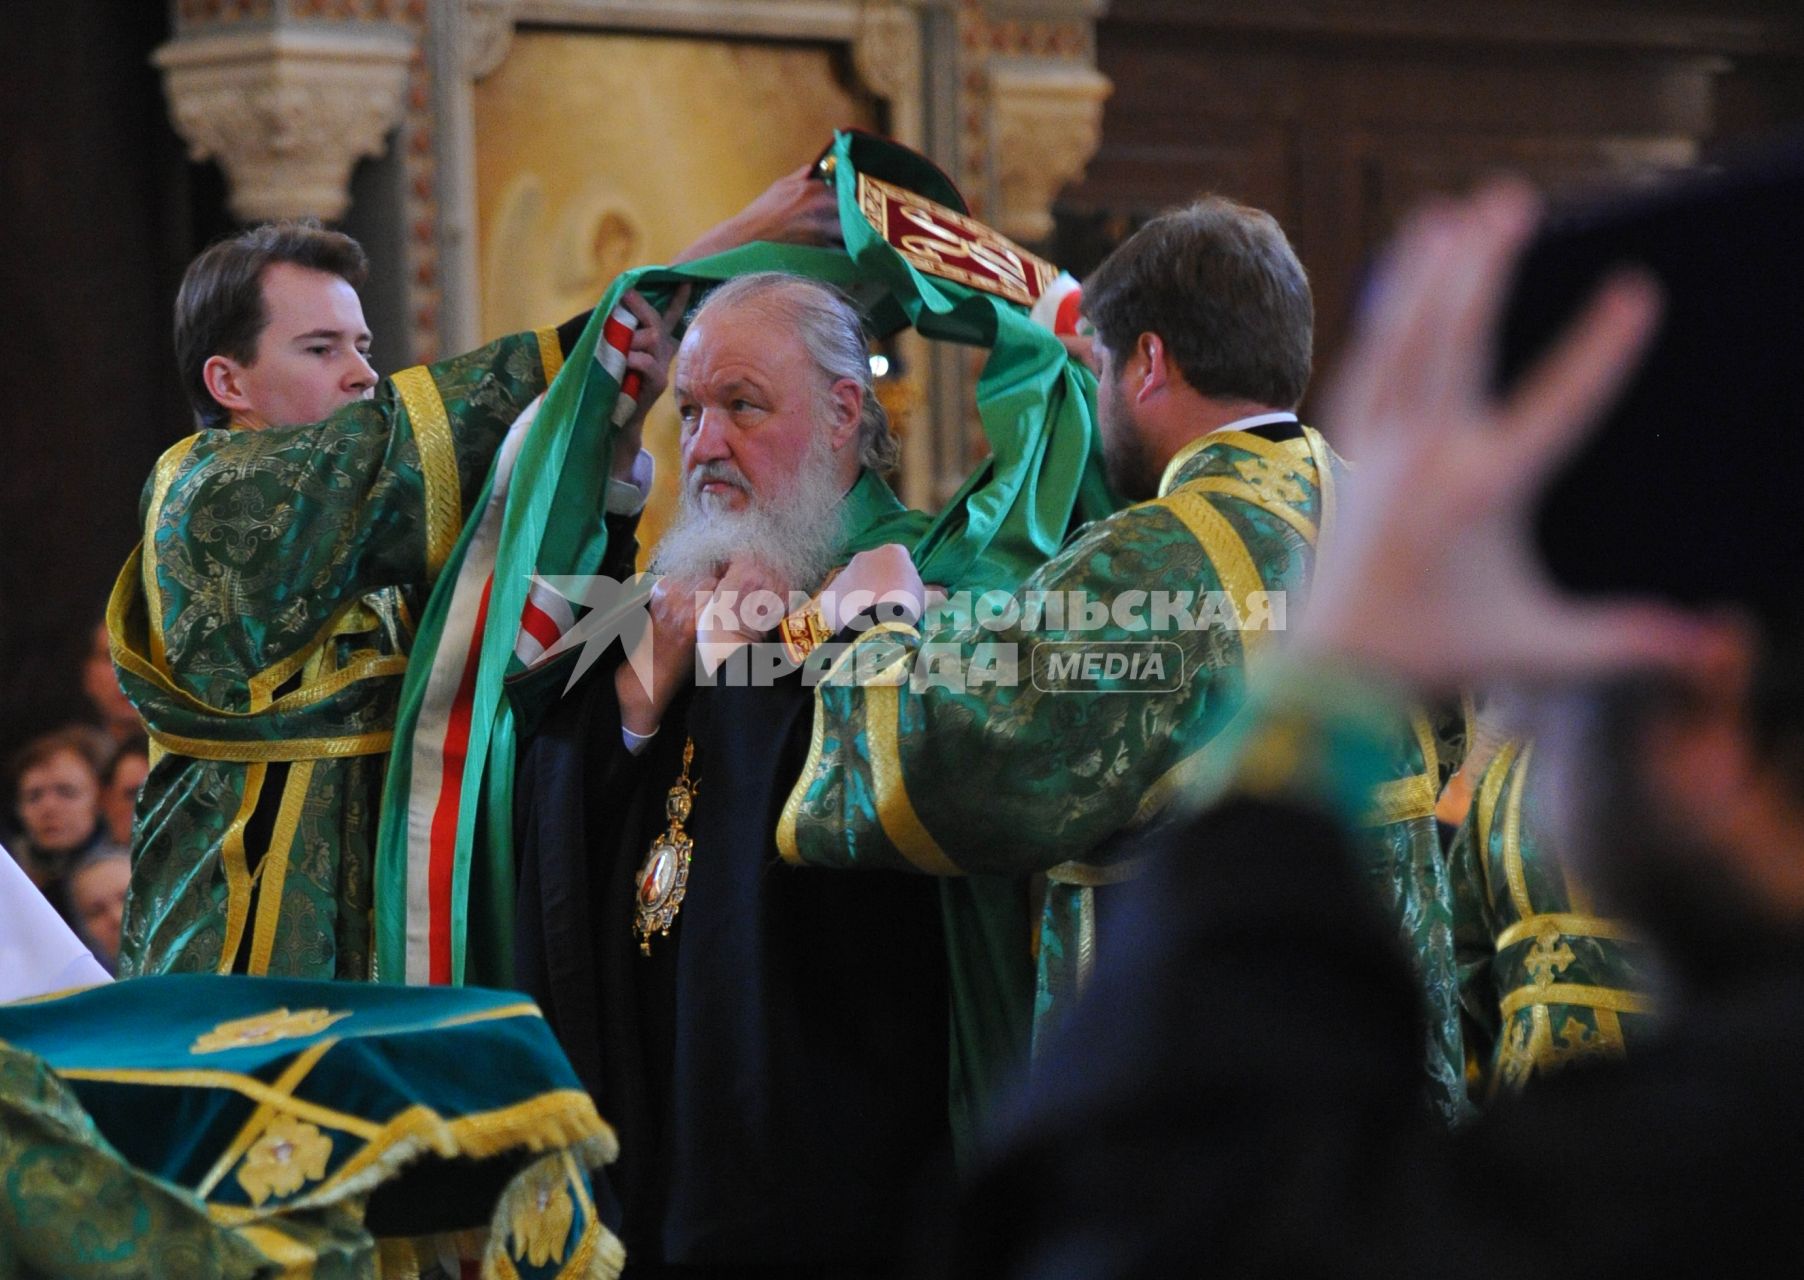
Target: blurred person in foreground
[(1153, 1146)]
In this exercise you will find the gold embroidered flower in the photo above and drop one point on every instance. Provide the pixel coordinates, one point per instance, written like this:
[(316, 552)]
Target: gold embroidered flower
[(290, 1154), (1272, 482), (541, 1223), (265, 1028)]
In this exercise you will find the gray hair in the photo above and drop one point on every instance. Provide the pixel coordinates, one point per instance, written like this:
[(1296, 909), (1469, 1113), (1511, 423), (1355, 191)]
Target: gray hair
[(832, 333)]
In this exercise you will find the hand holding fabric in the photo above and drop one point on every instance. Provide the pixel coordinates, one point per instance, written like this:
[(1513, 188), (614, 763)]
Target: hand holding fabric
[(674, 605), (797, 208), (883, 575), (653, 347)]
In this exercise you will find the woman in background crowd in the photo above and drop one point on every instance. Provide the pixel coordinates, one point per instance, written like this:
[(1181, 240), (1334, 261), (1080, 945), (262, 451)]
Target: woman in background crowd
[(119, 786), (56, 794), (96, 893)]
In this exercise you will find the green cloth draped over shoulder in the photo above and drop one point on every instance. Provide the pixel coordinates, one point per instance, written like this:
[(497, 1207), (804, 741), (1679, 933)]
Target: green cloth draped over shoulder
[(444, 904), (1545, 980), (195, 1125), (982, 744), (260, 629)]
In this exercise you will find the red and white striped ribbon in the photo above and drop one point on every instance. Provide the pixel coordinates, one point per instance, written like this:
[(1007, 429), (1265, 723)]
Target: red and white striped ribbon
[(442, 735), (610, 353)]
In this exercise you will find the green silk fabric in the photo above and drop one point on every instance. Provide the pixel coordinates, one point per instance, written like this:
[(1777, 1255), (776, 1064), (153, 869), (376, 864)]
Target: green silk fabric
[(202, 1125), (260, 631), (1545, 980)]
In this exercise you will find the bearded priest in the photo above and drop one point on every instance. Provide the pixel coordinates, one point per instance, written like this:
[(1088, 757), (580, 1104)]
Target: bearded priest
[(769, 1043)]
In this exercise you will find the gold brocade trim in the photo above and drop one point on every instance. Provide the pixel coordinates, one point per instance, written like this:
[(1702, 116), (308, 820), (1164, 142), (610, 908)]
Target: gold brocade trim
[(787, 847), (167, 466), (237, 869), (404, 614), (1323, 458), (1490, 787), (551, 353), (286, 1083), (1402, 800), (1513, 870), (524, 1009), (895, 811), (804, 631), (1179, 459), (1227, 552), (263, 685), (274, 866), (397, 1259), (1406, 799), (243, 1085), (1287, 453), (1247, 493), (560, 1118), (1615, 999), (295, 1258), (265, 1028), (1571, 923), (371, 665), (598, 1254), (1086, 876), (438, 463), (1294, 453), (359, 744)]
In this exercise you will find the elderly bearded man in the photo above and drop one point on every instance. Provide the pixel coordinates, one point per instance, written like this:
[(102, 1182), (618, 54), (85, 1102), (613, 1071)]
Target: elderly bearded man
[(775, 1060)]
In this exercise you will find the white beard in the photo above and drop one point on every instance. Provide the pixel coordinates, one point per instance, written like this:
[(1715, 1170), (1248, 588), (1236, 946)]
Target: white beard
[(795, 534)]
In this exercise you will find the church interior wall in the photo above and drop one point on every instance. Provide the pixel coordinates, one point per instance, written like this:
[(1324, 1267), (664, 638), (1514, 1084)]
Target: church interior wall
[(1335, 117)]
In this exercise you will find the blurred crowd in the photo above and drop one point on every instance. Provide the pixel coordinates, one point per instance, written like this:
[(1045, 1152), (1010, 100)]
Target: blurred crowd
[(71, 794)]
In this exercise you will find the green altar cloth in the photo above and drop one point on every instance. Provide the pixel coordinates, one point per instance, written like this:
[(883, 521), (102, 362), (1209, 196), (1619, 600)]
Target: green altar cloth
[(200, 1125)]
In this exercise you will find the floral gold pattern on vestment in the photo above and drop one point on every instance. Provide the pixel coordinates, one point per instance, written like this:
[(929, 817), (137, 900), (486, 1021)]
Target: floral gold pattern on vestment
[(290, 1154), (265, 1028)]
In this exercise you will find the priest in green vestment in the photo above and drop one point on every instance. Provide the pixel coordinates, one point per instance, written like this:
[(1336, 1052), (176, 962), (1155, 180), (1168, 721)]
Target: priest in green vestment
[(1024, 733), (262, 626)]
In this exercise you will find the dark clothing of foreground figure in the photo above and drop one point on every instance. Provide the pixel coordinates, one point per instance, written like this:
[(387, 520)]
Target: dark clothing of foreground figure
[(1238, 1094), (776, 1067)]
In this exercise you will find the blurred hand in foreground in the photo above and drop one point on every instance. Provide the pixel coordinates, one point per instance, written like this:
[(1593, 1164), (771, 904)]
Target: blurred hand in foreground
[(1430, 574)]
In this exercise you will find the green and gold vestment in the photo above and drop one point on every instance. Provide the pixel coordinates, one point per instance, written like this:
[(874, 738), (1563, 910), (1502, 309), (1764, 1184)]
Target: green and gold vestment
[(261, 629), (1544, 980), (1040, 770)]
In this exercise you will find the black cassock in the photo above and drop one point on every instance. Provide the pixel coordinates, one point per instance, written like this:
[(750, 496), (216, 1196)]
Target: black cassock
[(776, 1068)]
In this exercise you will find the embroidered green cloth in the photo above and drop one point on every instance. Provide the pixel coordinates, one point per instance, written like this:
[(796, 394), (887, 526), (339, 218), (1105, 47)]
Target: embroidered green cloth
[(202, 1125), (261, 629), (1544, 979)]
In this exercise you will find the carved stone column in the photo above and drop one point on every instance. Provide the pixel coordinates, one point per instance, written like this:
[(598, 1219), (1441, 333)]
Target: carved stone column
[(287, 109), (1046, 122)]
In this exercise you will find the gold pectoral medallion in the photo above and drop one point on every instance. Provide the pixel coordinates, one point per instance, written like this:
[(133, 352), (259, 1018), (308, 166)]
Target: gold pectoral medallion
[(664, 875)]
